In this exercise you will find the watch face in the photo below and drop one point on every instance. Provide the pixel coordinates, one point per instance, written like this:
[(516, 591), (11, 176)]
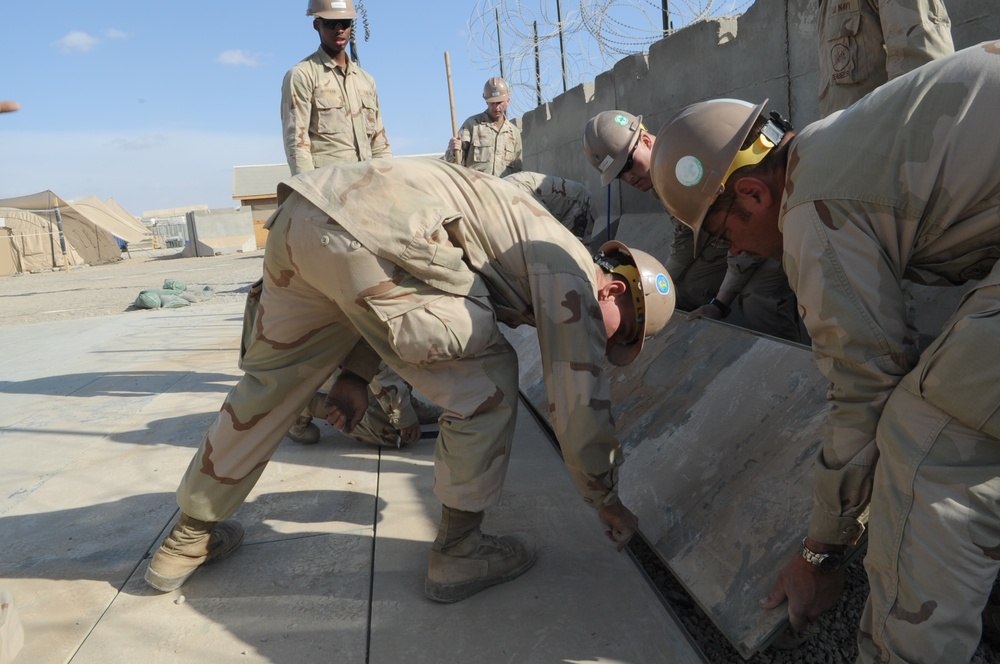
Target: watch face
[(829, 562)]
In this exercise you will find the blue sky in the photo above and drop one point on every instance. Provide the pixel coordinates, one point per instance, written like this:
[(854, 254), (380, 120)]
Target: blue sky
[(152, 104)]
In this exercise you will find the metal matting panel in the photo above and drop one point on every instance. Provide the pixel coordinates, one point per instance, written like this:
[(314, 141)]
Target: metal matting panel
[(720, 428)]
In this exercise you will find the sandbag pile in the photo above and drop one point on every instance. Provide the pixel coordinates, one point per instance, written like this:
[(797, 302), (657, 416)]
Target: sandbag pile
[(174, 294)]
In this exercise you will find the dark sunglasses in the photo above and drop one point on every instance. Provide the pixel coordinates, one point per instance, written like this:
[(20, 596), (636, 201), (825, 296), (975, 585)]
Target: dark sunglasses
[(334, 23), (628, 162)]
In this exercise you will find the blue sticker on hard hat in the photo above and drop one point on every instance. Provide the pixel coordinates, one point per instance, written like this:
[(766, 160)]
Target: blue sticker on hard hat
[(621, 119), (689, 171), (662, 284)]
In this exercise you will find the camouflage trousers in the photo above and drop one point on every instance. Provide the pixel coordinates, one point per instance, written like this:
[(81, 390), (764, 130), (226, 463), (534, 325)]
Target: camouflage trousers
[(323, 293), (864, 43), (934, 524), (389, 412)]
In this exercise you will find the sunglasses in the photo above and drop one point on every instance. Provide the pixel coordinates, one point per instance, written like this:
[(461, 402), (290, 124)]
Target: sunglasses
[(334, 23), (628, 162)]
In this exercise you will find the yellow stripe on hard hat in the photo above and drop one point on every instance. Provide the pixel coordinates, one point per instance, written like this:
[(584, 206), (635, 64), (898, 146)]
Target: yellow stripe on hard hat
[(750, 156)]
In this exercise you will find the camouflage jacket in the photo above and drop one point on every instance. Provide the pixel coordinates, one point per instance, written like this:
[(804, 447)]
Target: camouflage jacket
[(487, 149), (330, 114), (904, 184), (446, 224), (566, 200)]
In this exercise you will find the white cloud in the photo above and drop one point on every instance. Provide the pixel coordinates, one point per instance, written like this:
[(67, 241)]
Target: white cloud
[(145, 142), (113, 33), (77, 41), (238, 58)]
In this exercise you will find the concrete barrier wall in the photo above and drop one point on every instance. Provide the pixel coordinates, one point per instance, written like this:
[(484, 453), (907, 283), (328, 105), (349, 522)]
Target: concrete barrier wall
[(221, 231)]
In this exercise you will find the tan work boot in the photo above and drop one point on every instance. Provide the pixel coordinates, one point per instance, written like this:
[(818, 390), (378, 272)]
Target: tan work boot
[(191, 544), (465, 561), (304, 431)]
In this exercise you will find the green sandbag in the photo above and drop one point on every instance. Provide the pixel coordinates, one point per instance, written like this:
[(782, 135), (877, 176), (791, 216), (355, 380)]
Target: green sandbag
[(160, 299), (174, 284), (205, 293)]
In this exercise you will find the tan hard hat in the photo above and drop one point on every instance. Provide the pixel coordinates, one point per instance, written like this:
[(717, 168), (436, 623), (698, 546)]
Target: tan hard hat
[(652, 291), (496, 89), (696, 152), (331, 9), (608, 139)]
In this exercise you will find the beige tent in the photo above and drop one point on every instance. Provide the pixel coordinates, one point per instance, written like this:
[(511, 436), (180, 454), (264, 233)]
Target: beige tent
[(30, 242), (89, 226)]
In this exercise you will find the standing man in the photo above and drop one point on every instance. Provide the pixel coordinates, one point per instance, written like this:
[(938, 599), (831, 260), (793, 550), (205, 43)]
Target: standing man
[(864, 43), (330, 114), (329, 108), (489, 142), (423, 288), (853, 205), (709, 281)]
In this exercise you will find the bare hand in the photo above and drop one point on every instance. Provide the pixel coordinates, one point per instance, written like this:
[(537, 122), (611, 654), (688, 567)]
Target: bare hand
[(705, 311), (455, 144), (410, 434), (621, 523), (809, 592), (346, 403), (9, 106)]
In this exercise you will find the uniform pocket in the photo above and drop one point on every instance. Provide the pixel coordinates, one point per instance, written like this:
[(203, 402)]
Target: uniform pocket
[(331, 116), (959, 372), (369, 110), (428, 327), (847, 57)]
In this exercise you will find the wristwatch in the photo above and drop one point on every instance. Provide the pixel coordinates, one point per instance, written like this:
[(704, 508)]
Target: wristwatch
[(824, 562), (721, 306)]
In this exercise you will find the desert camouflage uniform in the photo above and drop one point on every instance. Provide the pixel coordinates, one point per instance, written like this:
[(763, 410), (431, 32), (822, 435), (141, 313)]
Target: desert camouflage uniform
[(330, 114), (487, 149), (766, 300), (866, 205), (864, 43), (418, 260), (566, 200)]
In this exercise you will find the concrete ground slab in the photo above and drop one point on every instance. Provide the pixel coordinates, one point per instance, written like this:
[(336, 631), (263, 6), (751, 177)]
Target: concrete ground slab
[(102, 416)]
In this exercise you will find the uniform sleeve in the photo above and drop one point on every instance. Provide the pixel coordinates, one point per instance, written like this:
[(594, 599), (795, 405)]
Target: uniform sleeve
[(296, 112), (853, 308), (464, 133), (915, 32), (739, 269), (681, 251), (572, 344), (516, 165), (380, 142)]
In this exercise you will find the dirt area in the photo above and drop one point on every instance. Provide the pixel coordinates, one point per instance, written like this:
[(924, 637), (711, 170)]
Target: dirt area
[(101, 290)]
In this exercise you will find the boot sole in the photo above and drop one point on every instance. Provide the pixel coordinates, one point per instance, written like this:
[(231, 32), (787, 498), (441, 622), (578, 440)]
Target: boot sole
[(449, 593)]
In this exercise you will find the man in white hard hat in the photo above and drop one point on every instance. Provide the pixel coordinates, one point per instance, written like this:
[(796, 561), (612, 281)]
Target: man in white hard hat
[(423, 288), (852, 205), (488, 142)]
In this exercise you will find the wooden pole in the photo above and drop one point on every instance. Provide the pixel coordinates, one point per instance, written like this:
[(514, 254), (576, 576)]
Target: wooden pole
[(451, 100)]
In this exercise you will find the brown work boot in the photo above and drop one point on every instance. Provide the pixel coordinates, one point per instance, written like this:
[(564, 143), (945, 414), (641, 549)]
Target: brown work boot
[(304, 431), (465, 561), (191, 544)]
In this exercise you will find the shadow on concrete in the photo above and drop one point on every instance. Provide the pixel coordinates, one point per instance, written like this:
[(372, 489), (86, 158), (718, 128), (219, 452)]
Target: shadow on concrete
[(119, 383)]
